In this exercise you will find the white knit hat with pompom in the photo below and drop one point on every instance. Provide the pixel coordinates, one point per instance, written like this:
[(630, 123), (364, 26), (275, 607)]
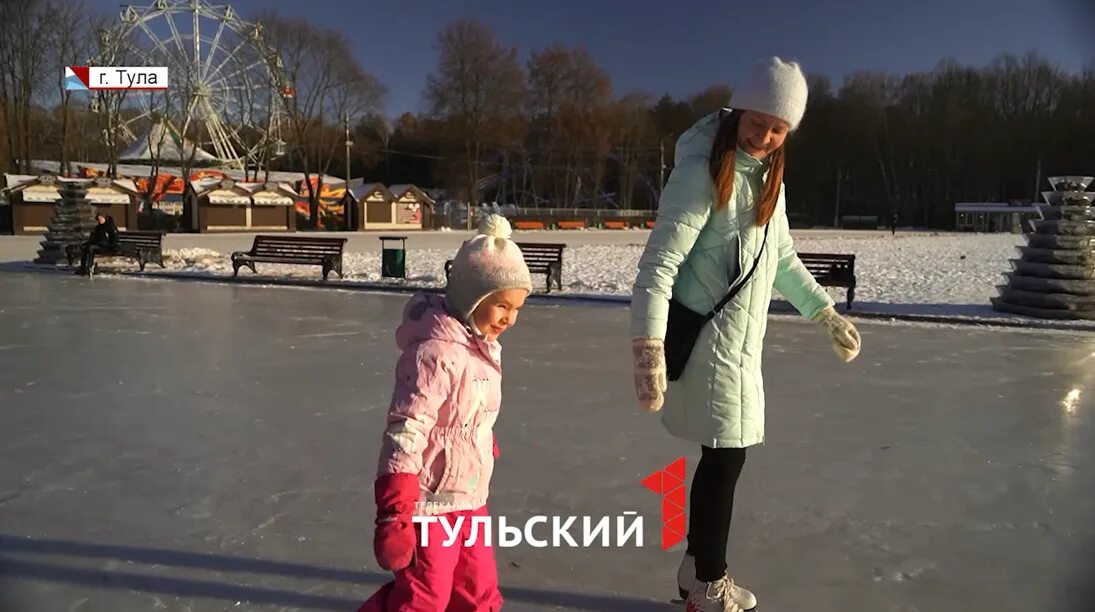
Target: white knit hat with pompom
[(488, 263)]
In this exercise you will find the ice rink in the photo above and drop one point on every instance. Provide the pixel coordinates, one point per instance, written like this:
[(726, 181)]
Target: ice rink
[(192, 446)]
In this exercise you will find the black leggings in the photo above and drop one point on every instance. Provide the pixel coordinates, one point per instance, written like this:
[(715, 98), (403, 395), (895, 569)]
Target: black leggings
[(88, 258), (712, 500)]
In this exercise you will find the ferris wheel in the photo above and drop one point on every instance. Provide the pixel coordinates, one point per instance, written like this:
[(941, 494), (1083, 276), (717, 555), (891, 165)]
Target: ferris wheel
[(226, 90)]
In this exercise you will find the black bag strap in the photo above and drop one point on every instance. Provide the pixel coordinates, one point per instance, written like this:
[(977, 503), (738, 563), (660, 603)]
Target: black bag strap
[(733, 292)]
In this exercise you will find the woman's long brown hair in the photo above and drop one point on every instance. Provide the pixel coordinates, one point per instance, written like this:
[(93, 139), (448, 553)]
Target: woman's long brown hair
[(722, 169)]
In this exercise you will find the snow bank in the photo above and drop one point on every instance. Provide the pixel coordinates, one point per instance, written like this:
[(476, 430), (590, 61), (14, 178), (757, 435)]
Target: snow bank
[(907, 269), (949, 275)]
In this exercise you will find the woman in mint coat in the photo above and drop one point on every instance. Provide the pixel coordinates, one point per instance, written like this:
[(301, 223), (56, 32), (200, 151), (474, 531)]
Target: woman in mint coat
[(723, 201)]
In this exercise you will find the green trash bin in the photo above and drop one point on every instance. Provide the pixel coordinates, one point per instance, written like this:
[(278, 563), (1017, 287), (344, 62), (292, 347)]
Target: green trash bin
[(393, 257)]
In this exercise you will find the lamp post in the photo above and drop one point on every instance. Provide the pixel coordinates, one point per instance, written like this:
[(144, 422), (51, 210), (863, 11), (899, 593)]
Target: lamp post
[(348, 217)]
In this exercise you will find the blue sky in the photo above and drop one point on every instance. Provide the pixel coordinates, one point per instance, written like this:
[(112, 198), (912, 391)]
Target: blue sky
[(681, 46)]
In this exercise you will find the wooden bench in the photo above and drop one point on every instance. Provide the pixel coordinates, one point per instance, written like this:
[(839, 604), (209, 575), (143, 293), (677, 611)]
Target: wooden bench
[(299, 250), (832, 270), (615, 225), (541, 258), (649, 225), (528, 225), (571, 225), (144, 247)]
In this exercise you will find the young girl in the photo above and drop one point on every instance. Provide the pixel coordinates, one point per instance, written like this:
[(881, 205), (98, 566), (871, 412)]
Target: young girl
[(438, 450)]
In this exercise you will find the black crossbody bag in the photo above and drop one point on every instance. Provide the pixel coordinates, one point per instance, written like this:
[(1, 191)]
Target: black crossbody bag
[(684, 324)]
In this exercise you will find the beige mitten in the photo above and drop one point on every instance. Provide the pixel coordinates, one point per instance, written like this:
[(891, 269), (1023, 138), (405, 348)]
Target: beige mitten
[(650, 373), (845, 337)]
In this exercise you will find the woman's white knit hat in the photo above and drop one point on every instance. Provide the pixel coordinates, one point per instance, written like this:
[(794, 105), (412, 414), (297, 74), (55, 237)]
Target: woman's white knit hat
[(773, 87), (488, 263)]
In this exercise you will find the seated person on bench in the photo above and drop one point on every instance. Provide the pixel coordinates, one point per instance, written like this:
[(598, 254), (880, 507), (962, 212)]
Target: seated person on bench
[(102, 239)]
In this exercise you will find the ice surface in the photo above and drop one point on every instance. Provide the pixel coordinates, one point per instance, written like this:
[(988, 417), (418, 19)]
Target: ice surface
[(187, 446)]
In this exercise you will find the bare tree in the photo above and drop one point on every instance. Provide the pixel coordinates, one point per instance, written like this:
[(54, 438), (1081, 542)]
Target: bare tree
[(110, 106), (71, 42), (477, 90), (24, 26), (633, 133), (876, 145), (548, 74), (588, 116), (324, 86), (371, 136), (569, 100), (711, 99)]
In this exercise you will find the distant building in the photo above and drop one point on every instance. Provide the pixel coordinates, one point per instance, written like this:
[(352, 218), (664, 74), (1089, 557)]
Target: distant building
[(225, 205), (993, 217), (28, 201), (368, 203)]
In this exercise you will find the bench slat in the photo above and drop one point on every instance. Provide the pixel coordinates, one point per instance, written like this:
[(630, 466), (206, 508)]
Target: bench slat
[(287, 252), (322, 245), (265, 238), (296, 260), (282, 252), (286, 247), (268, 249)]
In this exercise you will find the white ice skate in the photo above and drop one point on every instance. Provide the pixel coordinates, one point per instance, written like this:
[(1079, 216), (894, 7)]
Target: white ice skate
[(712, 597), (687, 583)]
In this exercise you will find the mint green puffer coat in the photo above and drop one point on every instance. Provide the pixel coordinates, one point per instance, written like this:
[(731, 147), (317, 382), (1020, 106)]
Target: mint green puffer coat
[(693, 254)]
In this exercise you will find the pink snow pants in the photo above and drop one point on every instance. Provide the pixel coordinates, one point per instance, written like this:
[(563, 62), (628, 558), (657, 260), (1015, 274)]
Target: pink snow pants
[(442, 578)]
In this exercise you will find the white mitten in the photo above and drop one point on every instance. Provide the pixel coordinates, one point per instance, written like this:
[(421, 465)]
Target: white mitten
[(650, 373), (846, 341)]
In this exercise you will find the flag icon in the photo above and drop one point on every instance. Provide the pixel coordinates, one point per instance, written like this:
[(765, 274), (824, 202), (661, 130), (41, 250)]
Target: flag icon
[(76, 78)]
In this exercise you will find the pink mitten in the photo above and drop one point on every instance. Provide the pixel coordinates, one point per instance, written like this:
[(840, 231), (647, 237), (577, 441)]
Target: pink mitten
[(394, 540), (494, 442)]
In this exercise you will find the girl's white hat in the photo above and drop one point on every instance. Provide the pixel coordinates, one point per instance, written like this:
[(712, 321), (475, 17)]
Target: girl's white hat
[(488, 263)]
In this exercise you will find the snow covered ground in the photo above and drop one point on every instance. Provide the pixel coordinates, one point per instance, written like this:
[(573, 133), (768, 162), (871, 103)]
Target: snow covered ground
[(907, 273), (907, 269), (922, 274)]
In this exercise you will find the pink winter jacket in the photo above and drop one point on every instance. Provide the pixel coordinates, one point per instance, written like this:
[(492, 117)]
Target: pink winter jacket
[(448, 391)]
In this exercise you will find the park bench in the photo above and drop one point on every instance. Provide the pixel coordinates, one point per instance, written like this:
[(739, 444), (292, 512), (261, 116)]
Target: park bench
[(144, 247), (298, 250), (541, 258), (571, 225), (528, 225), (615, 225), (832, 270)]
